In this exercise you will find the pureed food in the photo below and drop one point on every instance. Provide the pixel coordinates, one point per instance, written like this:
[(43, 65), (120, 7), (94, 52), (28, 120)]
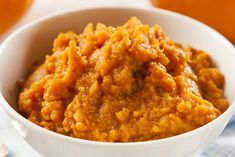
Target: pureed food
[(122, 84)]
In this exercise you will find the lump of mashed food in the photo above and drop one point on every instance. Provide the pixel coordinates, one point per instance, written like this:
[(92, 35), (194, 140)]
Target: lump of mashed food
[(122, 84)]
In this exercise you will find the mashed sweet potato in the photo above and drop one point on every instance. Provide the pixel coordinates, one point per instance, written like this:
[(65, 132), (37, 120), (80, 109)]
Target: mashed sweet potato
[(122, 84)]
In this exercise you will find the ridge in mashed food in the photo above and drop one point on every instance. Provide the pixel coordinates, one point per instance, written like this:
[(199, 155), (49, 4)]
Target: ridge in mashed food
[(122, 84)]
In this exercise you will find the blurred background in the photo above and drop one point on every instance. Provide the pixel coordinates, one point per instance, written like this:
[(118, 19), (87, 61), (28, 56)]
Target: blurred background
[(219, 14)]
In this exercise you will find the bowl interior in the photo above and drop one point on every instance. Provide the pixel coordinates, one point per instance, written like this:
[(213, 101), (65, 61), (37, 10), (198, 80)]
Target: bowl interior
[(31, 43)]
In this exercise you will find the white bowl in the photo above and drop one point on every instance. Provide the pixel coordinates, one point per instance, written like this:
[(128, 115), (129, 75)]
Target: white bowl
[(34, 40)]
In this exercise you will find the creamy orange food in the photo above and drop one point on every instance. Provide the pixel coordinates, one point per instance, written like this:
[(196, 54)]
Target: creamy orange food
[(122, 84)]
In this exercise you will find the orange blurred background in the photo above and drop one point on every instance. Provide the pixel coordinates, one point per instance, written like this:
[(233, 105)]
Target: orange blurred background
[(219, 14), (11, 11)]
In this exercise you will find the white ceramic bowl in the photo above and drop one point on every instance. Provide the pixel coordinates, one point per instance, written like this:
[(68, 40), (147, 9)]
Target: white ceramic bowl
[(34, 40)]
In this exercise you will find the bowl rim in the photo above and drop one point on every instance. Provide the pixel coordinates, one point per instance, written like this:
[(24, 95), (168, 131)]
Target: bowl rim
[(13, 113)]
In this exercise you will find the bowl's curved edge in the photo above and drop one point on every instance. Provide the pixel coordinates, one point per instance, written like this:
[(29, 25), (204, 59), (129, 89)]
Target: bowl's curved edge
[(27, 123)]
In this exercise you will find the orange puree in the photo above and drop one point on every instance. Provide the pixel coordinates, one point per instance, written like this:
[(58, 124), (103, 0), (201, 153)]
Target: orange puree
[(122, 84)]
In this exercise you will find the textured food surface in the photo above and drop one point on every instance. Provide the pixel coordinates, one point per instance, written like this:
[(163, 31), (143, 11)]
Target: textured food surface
[(122, 84)]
